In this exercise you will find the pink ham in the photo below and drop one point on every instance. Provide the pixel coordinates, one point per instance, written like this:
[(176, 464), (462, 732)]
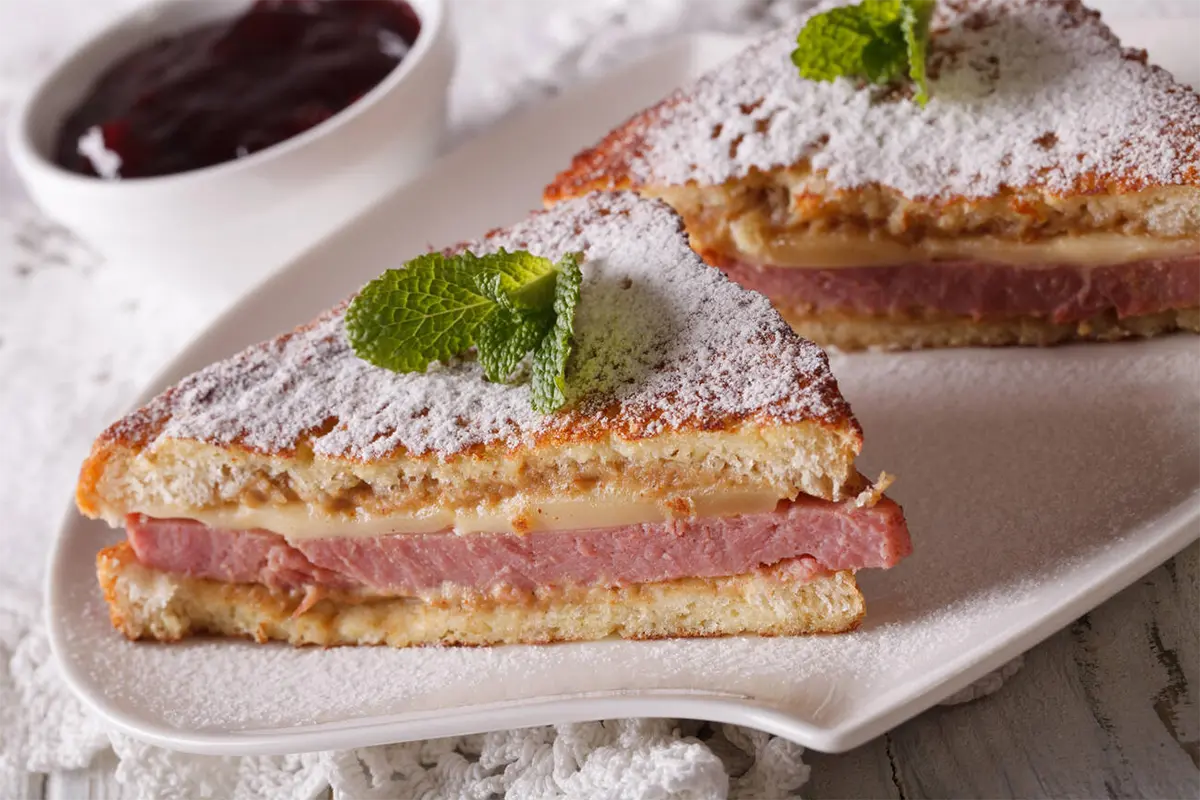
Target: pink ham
[(980, 290), (837, 536), (193, 548)]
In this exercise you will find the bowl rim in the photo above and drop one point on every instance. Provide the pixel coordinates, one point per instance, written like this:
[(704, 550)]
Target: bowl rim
[(27, 156)]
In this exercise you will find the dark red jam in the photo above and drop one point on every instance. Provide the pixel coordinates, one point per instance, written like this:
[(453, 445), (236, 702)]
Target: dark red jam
[(228, 89)]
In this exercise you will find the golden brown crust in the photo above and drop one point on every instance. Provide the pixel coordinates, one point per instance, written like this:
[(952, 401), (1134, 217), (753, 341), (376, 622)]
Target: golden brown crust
[(129, 434), (147, 604), (188, 478), (569, 425), (607, 165), (617, 161), (1029, 212), (300, 420), (142, 426), (909, 332), (135, 431)]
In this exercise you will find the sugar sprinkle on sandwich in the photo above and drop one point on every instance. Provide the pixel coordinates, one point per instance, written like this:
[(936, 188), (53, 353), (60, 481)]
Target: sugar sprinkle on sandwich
[(700, 480), (1050, 189)]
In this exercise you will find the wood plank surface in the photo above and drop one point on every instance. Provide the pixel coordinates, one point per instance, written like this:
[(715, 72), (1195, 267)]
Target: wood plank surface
[(1104, 708), (28, 786)]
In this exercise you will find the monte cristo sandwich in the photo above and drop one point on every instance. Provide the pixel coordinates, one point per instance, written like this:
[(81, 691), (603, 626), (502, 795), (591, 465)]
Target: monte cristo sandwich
[(1047, 191), (673, 461)]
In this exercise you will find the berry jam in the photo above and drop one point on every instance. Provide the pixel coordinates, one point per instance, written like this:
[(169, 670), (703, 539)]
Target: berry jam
[(228, 89)]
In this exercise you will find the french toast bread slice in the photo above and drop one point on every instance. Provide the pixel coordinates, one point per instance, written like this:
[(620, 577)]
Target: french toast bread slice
[(297, 492), (1050, 190), (682, 382), (145, 603)]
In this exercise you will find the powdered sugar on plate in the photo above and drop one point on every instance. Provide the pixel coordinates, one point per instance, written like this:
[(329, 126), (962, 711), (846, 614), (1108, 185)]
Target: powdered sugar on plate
[(1024, 93), (662, 342)]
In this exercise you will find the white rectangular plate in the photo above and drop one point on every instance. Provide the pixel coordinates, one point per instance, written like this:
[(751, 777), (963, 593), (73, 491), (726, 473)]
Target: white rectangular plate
[(1037, 483)]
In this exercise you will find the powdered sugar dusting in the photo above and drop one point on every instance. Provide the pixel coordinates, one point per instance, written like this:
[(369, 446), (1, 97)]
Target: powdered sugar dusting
[(662, 342), (1025, 93)]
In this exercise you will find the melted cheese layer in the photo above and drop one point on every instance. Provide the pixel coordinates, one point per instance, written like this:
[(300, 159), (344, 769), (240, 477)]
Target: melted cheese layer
[(834, 251), (518, 516)]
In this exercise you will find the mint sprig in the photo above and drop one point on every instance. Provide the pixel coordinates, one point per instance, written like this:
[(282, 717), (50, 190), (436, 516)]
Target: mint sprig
[(914, 19), (880, 40), (550, 359), (504, 304), (428, 311), (506, 338)]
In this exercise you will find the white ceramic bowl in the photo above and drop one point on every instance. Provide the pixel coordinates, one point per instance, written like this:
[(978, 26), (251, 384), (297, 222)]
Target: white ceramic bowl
[(222, 228)]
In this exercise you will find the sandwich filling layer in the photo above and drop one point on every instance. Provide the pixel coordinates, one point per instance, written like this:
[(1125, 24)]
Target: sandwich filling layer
[(519, 514), (830, 251), (832, 536), (149, 604), (982, 290), (779, 226)]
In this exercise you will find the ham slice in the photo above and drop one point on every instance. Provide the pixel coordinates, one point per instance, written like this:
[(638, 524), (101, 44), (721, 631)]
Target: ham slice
[(836, 536), (980, 290)]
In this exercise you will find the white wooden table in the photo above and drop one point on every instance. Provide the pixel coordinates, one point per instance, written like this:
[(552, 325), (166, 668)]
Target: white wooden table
[(1105, 708)]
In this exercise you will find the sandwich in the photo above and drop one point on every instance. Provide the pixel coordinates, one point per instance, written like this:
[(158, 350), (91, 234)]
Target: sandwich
[(1048, 191), (698, 478)]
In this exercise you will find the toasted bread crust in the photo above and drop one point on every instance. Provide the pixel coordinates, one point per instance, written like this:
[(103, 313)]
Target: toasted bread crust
[(300, 421), (119, 478), (147, 604), (795, 198), (619, 160), (767, 217), (142, 426)]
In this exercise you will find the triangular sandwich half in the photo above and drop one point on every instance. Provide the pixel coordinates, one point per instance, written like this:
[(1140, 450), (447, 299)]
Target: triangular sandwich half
[(1049, 191), (699, 482)]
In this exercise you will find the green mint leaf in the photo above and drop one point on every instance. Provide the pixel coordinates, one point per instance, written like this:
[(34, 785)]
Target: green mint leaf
[(885, 58), (503, 304), (527, 280), (914, 19), (832, 45), (515, 282), (880, 13), (428, 311), (506, 338), (550, 357), (491, 286), (880, 40)]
